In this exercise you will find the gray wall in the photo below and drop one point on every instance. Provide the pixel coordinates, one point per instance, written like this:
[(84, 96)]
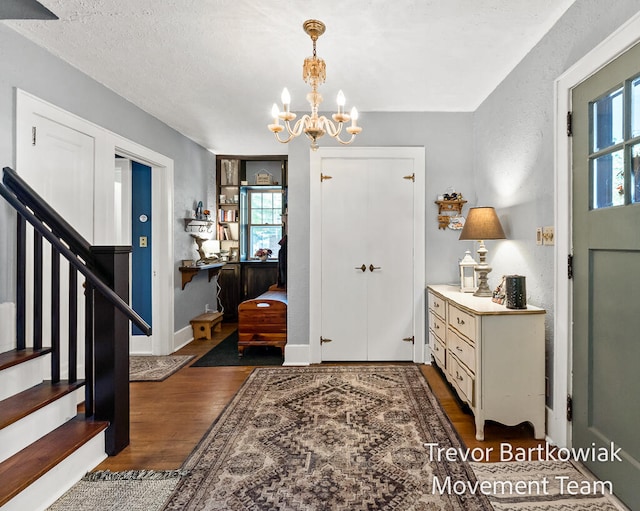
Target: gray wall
[(26, 66), (513, 133), (447, 138)]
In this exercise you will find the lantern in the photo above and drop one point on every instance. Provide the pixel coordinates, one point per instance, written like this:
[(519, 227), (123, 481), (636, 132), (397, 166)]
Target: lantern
[(468, 278)]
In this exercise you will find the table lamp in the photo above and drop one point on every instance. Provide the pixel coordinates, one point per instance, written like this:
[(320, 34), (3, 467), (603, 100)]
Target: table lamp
[(482, 224)]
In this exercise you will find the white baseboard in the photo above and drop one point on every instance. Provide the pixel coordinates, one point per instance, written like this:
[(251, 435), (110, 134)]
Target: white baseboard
[(427, 354), (8, 330), (141, 345), (297, 355), (182, 337)]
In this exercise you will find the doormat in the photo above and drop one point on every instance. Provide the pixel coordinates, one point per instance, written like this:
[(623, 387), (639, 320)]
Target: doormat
[(226, 354), (133, 490), (327, 438), (566, 487), (155, 368)]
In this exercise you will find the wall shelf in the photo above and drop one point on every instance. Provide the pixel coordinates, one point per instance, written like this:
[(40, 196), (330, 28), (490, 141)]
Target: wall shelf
[(194, 225), (448, 206), (188, 272)]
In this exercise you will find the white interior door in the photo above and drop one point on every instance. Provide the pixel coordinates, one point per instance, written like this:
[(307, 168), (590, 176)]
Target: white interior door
[(391, 245), (59, 166), (344, 250), (367, 260)]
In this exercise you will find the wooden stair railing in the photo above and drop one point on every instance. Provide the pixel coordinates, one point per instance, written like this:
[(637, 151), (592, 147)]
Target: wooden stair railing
[(107, 313)]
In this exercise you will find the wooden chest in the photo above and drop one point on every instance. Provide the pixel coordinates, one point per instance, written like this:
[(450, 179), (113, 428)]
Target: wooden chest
[(262, 321)]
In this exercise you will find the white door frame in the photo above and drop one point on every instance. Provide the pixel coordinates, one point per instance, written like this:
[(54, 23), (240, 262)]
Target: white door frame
[(417, 154), (558, 428), (107, 145)]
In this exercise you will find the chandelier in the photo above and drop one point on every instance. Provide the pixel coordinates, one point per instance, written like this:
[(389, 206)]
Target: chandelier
[(313, 126)]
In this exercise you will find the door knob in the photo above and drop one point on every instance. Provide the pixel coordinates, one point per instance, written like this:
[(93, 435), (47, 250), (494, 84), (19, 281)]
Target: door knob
[(363, 268), (372, 267)]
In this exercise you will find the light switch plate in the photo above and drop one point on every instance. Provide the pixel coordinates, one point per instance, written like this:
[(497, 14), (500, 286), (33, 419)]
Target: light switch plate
[(538, 235), (548, 236), (143, 242)]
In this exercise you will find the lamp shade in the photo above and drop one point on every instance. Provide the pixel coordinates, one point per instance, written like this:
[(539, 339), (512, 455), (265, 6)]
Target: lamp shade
[(482, 224)]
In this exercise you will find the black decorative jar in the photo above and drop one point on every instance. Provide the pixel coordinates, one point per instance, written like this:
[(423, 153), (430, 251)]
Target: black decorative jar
[(516, 291)]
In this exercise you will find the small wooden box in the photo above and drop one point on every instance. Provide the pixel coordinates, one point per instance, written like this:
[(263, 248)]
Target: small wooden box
[(204, 324)]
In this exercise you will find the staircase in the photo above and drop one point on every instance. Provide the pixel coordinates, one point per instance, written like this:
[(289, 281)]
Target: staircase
[(46, 445)]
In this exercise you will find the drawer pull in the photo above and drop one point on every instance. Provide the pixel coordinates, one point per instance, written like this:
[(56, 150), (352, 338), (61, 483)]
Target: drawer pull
[(437, 327), (459, 349), (436, 305), (458, 377), (460, 321)]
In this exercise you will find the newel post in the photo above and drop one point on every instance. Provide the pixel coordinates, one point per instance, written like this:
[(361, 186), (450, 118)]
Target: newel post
[(111, 345)]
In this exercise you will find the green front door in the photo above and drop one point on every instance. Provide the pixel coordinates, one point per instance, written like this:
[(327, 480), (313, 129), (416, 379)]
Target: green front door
[(606, 290)]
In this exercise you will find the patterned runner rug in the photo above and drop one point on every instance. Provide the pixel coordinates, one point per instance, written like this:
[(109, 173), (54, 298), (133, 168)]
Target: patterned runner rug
[(326, 438), (550, 485), (155, 368)]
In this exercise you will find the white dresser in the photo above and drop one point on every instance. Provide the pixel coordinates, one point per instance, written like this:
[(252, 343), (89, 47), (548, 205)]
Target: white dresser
[(491, 355)]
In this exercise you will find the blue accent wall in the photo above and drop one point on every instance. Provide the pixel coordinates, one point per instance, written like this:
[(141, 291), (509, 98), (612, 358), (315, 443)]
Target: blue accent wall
[(141, 271)]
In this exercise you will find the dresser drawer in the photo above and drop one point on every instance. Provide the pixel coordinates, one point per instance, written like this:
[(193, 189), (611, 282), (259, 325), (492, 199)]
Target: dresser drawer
[(464, 351), (463, 322), (437, 305), (463, 381), (436, 323), (438, 349)]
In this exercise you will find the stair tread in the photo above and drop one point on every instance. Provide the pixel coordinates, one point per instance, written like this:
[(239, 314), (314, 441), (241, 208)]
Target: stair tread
[(15, 357), (26, 466), (20, 405)]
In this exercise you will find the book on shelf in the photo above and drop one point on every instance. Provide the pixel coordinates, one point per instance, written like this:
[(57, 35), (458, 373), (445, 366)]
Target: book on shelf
[(227, 215)]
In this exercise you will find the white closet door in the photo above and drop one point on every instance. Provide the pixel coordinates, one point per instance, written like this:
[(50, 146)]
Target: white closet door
[(390, 238), (344, 249), (367, 219)]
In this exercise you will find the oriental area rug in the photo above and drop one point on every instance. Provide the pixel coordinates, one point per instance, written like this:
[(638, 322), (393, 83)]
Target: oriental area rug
[(326, 438), (156, 368)]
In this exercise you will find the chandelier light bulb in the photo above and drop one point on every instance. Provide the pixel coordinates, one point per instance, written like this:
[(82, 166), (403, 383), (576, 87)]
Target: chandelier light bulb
[(285, 97), (275, 112), (341, 99), (354, 116)]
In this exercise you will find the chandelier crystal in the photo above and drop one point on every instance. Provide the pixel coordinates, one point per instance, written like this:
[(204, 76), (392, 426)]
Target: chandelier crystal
[(313, 126)]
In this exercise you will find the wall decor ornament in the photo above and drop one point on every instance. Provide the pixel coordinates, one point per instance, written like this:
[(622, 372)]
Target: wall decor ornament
[(450, 210)]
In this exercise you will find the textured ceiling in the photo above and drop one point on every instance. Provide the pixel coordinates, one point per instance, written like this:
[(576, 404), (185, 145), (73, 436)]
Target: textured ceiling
[(211, 69)]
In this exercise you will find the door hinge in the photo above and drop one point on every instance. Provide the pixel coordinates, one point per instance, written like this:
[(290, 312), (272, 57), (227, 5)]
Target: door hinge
[(569, 124), (33, 135), (323, 177), (412, 177), (323, 340), (569, 408), (570, 266), (411, 339)]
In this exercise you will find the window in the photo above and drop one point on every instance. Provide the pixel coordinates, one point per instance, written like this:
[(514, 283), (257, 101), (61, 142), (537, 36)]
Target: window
[(615, 147), (264, 220)]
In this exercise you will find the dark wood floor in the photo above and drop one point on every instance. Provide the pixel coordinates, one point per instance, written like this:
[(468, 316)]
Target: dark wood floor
[(169, 418)]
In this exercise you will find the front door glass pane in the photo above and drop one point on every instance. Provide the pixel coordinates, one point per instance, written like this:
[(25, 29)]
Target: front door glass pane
[(608, 180), (635, 173), (635, 107), (607, 120)]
